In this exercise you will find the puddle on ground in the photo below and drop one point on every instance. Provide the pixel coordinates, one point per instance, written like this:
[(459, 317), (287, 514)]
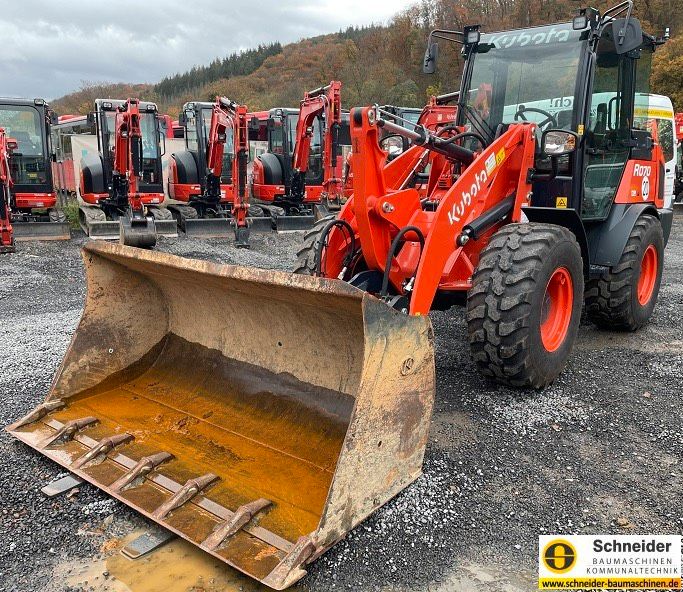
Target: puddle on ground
[(176, 567)]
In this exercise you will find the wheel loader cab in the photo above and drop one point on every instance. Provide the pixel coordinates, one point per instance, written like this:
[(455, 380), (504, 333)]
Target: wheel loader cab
[(579, 80)]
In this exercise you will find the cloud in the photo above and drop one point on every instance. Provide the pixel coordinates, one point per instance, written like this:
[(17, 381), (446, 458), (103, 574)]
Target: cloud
[(50, 47)]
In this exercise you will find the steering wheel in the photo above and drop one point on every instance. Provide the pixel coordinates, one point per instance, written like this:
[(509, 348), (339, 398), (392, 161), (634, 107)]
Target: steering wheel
[(549, 117)]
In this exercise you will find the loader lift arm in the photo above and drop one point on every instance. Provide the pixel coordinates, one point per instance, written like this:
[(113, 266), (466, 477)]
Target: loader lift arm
[(324, 101), (6, 232)]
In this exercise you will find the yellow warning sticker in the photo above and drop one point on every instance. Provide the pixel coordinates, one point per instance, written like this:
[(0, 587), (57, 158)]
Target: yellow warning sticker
[(500, 157), (581, 129), (561, 202)]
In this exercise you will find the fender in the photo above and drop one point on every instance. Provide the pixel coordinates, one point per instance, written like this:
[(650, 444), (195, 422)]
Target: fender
[(570, 220), (607, 239), (666, 217)]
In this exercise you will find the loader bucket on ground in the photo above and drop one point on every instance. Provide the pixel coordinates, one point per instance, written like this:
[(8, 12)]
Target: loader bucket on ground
[(29, 231), (259, 415)]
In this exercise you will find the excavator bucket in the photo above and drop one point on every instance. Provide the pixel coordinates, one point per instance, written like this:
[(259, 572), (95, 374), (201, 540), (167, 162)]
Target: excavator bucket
[(259, 415)]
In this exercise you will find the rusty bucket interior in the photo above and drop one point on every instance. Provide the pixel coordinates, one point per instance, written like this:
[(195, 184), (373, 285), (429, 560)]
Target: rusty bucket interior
[(259, 415)]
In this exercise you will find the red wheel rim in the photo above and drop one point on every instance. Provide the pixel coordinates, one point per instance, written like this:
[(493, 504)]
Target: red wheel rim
[(648, 275), (558, 303)]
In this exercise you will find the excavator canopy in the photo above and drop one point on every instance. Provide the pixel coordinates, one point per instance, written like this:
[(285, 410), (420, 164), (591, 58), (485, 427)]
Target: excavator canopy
[(257, 414)]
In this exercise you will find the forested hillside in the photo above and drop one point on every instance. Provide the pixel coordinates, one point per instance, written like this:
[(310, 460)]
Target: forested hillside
[(379, 63)]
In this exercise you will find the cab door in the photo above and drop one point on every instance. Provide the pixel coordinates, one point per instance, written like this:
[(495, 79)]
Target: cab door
[(608, 129)]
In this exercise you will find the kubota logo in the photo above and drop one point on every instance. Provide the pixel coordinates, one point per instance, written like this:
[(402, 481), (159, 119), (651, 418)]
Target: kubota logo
[(540, 36), (559, 556), (458, 210)]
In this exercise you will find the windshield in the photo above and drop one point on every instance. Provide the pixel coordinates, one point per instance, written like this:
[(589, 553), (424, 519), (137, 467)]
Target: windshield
[(228, 149), (524, 75), (148, 127), (29, 165), (411, 116), (151, 151)]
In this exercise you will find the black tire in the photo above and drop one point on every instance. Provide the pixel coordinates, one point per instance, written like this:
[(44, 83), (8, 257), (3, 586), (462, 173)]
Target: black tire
[(305, 256), (612, 300), (507, 301)]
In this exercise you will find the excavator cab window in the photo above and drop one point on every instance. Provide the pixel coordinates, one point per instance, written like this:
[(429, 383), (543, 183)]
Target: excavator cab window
[(276, 136), (314, 174), (190, 122), (29, 162)]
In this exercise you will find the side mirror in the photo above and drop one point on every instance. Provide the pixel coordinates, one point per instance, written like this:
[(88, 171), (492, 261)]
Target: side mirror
[(91, 118), (626, 34), (182, 119), (558, 142), (431, 55), (254, 123), (54, 119), (162, 142)]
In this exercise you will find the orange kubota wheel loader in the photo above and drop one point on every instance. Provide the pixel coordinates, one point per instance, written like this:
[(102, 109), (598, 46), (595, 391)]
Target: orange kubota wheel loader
[(188, 390), (539, 189)]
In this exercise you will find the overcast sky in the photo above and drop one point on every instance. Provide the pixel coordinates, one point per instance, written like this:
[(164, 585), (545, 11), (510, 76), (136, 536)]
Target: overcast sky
[(50, 46)]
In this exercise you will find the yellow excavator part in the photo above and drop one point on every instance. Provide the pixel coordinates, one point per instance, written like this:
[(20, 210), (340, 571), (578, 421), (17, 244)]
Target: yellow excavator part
[(259, 415)]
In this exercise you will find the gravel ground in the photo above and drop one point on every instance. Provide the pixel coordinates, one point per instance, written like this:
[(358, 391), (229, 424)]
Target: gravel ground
[(597, 452)]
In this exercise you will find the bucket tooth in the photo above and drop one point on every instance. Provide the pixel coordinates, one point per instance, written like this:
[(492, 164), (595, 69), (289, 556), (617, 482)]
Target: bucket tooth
[(288, 570), (143, 468), (239, 519), (101, 449), (38, 413), (185, 494), (67, 431)]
